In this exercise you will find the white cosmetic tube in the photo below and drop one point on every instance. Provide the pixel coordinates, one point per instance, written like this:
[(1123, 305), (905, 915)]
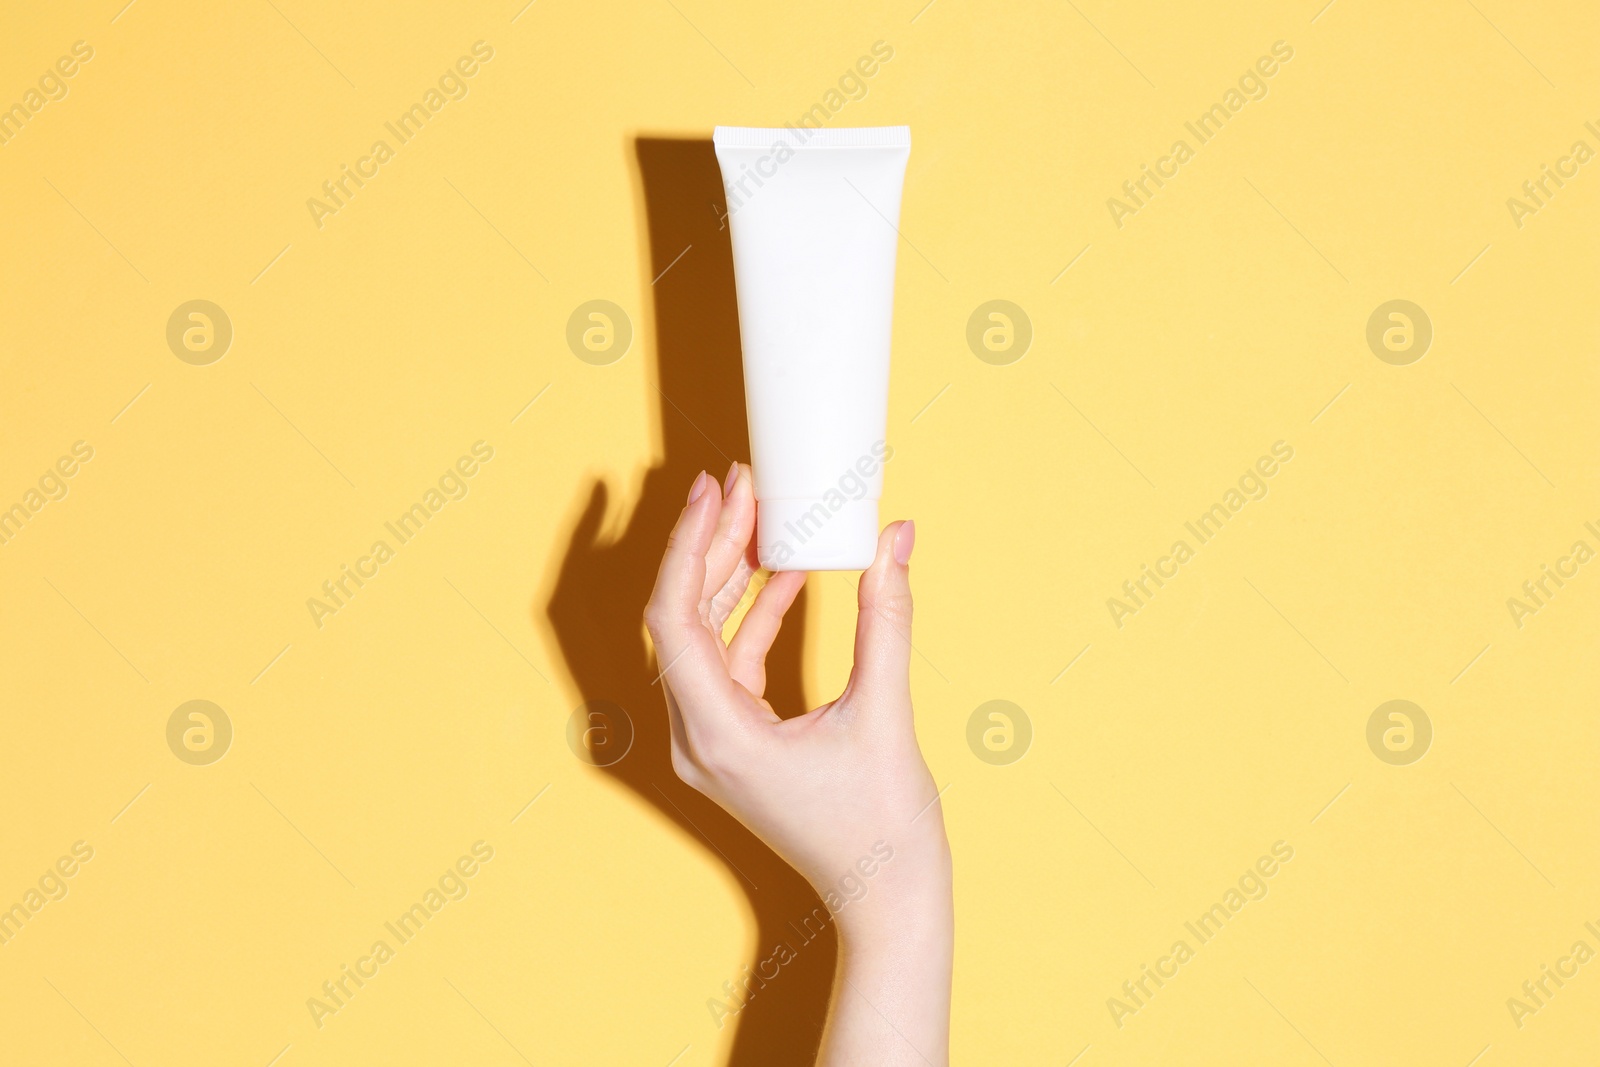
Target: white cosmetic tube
[(814, 218)]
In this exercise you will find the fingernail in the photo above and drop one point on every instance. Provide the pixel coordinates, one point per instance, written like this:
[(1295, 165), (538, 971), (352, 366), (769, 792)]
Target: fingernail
[(905, 539), (699, 486), (733, 476)]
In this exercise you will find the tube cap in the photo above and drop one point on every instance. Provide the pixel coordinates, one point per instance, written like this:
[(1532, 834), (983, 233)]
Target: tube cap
[(809, 535)]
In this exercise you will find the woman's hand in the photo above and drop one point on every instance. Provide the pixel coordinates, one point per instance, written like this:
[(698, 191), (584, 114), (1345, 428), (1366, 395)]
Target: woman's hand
[(841, 792)]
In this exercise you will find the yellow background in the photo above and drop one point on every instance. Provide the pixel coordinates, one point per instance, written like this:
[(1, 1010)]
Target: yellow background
[(369, 354)]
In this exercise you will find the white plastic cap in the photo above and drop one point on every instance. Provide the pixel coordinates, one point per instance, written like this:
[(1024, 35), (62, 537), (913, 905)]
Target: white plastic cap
[(809, 535)]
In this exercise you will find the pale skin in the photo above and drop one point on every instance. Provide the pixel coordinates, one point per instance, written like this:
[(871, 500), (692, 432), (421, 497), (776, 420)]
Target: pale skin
[(823, 788)]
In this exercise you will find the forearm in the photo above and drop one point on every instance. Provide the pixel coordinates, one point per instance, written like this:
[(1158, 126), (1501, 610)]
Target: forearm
[(891, 991)]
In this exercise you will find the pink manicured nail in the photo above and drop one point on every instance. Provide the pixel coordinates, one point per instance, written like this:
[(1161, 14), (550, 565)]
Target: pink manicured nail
[(733, 476), (905, 539), (699, 486)]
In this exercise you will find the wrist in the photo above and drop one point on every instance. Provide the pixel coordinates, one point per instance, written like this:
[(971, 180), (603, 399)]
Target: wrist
[(893, 983), (909, 903)]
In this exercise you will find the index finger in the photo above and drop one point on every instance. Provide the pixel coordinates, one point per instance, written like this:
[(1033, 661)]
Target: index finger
[(690, 654)]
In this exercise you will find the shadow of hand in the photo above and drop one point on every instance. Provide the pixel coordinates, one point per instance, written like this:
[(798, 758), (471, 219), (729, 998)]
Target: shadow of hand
[(603, 584)]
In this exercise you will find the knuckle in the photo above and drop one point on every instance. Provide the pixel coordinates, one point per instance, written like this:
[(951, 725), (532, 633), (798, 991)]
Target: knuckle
[(717, 759), (686, 769), (681, 539), (652, 619), (736, 534), (725, 601), (896, 607), (659, 618)]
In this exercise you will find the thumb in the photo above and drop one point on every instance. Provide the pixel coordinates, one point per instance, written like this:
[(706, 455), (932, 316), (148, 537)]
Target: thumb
[(883, 624)]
